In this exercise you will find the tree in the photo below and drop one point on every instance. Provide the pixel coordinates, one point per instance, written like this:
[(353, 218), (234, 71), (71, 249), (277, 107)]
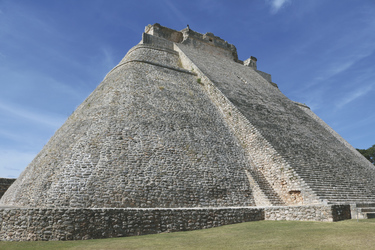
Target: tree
[(369, 153)]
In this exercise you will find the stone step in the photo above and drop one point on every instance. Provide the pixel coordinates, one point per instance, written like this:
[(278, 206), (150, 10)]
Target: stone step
[(346, 201), (343, 200), (351, 192), (341, 195), (326, 179), (363, 210), (266, 188), (367, 210), (332, 193), (372, 204), (320, 183), (344, 188)]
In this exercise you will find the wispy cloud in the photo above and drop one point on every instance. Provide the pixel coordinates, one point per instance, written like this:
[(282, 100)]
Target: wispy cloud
[(354, 95), (26, 22), (276, 5), (50, 120), (211, 6), (335, 68), (177, 13), (108, 58), (336, 63), (313, 97), (339, 50), (358, 124)]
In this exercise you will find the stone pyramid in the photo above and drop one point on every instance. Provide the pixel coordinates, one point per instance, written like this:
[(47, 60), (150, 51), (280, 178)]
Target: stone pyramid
[(181, 122)]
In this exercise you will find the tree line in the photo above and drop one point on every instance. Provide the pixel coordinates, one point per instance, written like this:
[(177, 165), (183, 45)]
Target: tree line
[(369, 153)]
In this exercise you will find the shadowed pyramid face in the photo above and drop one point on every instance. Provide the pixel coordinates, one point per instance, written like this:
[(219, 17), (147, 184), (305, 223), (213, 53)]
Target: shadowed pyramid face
[(181, 122)]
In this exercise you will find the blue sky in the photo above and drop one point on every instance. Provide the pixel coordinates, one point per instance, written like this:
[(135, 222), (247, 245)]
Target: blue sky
[(53, 54)]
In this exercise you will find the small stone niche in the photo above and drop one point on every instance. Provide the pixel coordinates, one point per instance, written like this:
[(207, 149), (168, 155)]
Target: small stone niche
[(295, 196)]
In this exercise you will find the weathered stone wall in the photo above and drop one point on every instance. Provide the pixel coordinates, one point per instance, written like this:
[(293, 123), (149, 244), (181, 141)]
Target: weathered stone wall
[(5, 184), (313, 156), (77, 224), (210, 44), (309, 213), (148, 136), (23, 224), (264, 75), (157, 30), (154, 134), (275, 182), (183, 125), (358, 156)]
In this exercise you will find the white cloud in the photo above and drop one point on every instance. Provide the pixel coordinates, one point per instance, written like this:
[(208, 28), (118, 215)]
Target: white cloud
[(276, 5), (49, 120), (335, 68)]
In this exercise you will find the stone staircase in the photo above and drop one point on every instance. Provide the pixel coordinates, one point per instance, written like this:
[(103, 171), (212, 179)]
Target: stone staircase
[(363, 210), (338, 190), (268, 191)]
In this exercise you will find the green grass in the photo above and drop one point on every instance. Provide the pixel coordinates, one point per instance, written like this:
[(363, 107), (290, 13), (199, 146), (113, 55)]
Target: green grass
[(348, 234)]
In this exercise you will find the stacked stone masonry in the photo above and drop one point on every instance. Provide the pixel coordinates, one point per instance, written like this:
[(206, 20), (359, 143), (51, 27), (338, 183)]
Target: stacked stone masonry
[(315, 156), (79, 224), (181, 122), (258, 152), (143, 138)]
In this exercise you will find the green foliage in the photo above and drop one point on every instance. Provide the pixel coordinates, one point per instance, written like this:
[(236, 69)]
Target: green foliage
[(199, 80), (369, 153)]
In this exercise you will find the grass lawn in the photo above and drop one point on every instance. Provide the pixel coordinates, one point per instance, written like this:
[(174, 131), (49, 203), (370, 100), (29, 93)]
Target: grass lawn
[(348, 234)]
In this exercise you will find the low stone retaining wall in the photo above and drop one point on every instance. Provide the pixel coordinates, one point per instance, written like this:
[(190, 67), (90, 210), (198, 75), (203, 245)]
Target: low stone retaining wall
[(22, 224), (77, 224), (309, 213)]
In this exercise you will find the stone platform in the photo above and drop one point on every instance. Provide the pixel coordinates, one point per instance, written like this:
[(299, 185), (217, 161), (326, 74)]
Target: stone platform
[(24, 224)]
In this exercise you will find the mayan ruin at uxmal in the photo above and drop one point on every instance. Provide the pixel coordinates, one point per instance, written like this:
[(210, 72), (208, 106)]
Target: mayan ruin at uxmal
[(182, 135)]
